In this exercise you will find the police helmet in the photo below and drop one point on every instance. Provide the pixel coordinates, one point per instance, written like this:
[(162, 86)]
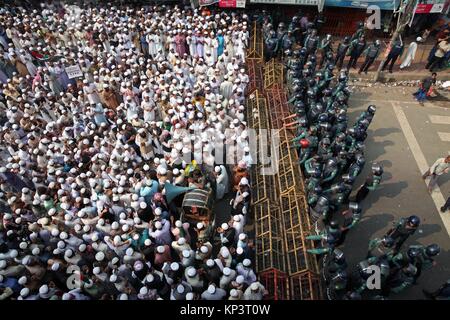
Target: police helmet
[(323, 117), (414, 221), (371, 109), (413, 253), (334, 224), (388, 241), (354, 206), (360, 160), (432, 250), (317, 189), (377, 169)]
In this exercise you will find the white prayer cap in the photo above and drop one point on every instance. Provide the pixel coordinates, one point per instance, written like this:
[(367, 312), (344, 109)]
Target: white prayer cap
[(244, 181), (129, 252), (254, 286), (23, 245), (113, 278), (225, 226), (147, 242), (63, 235), (99, 256), (204, 249), (96, 270), (178, 224), (174, 266), (35, 251), (200, 225), (158, 225), (160, 249), (22, 280), (210, 263), (43, 289), (143, 291), (240, 279), (55, 266), (24, 292), (242, 236), (246, 262), (189, 296), (211, 289), (234, 293), (226, 271)]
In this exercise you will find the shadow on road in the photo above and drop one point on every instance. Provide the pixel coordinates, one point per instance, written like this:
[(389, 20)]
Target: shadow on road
[(426, 230), (387, 190), (381, 132), (378, 148)]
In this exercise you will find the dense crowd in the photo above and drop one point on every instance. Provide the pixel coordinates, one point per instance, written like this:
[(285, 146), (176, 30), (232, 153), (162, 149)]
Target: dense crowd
[(90, 158)]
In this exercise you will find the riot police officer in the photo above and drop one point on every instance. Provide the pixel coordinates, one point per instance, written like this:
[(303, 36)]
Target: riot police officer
[(341, 52)]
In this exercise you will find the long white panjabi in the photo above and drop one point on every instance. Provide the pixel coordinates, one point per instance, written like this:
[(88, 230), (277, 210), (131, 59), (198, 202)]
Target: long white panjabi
[(410, 54)]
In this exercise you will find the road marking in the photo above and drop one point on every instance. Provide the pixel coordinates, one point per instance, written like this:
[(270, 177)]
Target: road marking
[(439, 119), (436, 195), (388, 101), (445, 136)]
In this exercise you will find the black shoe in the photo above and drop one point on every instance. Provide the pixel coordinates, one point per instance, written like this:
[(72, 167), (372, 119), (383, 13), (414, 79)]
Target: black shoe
[(443, 209)]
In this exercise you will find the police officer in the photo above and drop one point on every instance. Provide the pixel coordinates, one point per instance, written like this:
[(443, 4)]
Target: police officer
[(325, 47), (423, 257), (271, 45), (394, 53), (380, 248), (402, 229), (341, 52), (371, 182), (311, 43), (287, 41), (359, 31), (371, 53), (357, 47)]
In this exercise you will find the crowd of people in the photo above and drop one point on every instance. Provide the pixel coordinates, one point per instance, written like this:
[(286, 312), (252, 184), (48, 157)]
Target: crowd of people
[(331, 152), (90, 156)]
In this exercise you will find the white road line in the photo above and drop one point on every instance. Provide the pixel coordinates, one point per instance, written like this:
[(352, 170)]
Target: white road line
[(436, 195), (383, 100), (439, 119), (445, 136)]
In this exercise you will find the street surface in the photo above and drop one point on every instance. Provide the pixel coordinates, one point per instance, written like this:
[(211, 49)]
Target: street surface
[(406, 138)]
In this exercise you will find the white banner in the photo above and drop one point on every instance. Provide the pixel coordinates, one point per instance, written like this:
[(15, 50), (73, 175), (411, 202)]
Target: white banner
[(74, 71), (298, 2)]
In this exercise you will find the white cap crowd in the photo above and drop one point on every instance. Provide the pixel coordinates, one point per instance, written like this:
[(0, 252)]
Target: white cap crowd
[(87, 153)]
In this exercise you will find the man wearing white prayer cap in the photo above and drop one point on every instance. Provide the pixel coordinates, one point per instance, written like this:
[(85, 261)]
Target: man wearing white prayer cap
[(213, 293)]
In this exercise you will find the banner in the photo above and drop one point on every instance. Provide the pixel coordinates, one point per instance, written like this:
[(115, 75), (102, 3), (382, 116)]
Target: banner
[(74, 71), (362, 4), (431, 6), (203, 3), (294, 2), (232, 3)]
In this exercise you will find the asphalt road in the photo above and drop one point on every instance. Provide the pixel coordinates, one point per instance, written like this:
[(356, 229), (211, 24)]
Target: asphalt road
[(405, 138)]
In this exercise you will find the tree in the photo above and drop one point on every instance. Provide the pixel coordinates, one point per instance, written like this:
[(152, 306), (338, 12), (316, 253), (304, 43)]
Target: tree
[(406, 13)]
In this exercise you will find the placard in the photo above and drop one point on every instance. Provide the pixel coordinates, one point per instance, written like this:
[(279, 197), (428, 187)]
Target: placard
[(74, 71)]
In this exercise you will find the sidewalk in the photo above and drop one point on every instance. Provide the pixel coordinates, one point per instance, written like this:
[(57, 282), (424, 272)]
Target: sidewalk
[(416, 71)]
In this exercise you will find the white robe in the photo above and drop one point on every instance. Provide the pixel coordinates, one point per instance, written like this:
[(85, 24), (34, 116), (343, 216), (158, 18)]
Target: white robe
[(410, 54), (223, 185)]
